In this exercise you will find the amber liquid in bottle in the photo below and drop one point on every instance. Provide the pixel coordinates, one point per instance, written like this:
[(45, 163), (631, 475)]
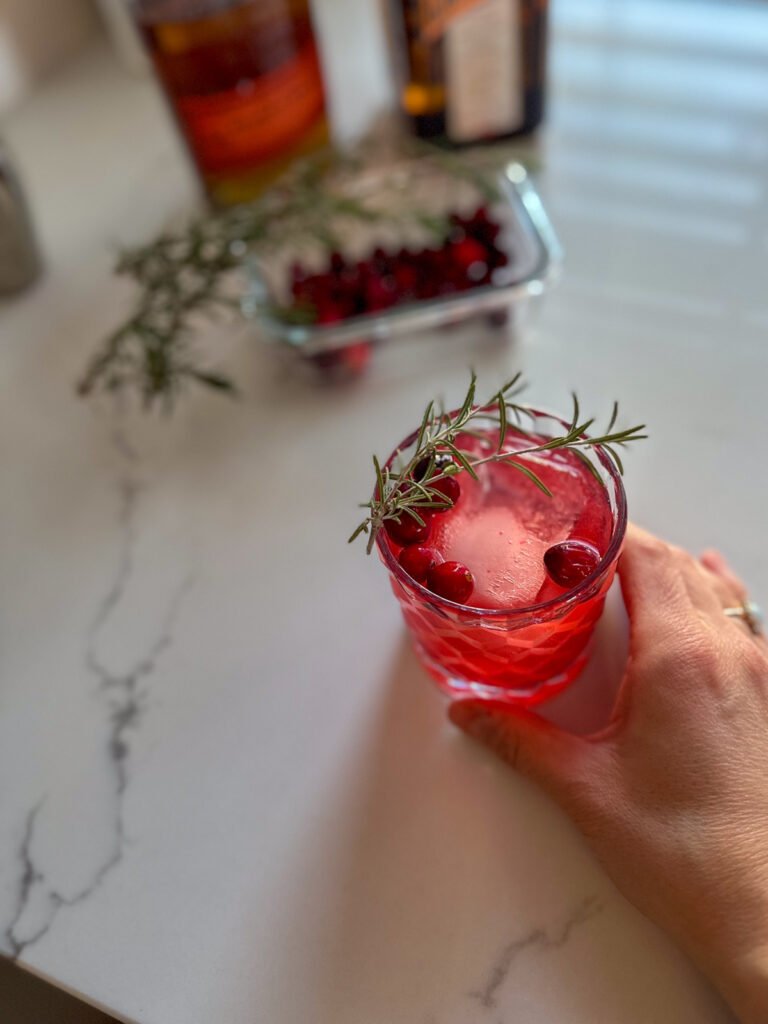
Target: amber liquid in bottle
[(244, 81), (471, 70)]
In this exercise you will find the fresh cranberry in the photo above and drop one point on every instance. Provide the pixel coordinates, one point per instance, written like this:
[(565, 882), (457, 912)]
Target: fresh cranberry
[(348, 279), (356, 357), (417, 560), (432, 267), (349, 361), (450, 487), (451, 580), (406, 530), (570, 562), (467, 252), (330, 312), (441, 460), (307, 288), (380, 292), (406, 279)]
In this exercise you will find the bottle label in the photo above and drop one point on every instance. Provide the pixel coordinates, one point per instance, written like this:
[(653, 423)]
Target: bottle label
[(258, 120), (484, 71)]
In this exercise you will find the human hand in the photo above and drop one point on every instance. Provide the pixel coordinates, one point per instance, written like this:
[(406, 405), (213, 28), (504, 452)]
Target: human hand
[(672, 795)]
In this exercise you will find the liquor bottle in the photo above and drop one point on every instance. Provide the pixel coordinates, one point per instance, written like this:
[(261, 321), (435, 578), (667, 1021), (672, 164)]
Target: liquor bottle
[(244, 81), (20, 263), (471, 70)]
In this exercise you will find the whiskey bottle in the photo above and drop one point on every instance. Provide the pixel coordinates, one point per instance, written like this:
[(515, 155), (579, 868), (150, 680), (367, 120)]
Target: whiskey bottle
[(471, 70), (244, 82)]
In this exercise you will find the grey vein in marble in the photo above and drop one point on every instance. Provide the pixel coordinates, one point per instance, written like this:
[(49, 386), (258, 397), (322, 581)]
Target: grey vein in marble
[(540, 939), (126, 703)]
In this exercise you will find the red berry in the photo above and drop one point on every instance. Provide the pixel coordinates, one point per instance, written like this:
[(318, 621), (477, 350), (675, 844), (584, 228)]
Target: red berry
[(329, 312), (356, 357), (450, 487), (467, 252), (406, 530), (571, 562), (348, 279), (406, 279), (380, 292), (442, 459), (418, 560), (349, 361), (451, 580)]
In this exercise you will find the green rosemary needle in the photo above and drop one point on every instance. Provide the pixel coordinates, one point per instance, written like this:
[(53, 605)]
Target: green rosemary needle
[(398, 493)]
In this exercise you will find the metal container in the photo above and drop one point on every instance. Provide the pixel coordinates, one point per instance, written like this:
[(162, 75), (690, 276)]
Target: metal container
[(19, 255)]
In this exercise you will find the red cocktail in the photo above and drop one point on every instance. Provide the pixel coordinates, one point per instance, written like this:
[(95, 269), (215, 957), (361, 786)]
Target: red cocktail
[(523, 632)]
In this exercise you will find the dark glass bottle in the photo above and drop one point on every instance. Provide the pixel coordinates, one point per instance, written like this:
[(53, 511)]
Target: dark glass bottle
[(471, 70)]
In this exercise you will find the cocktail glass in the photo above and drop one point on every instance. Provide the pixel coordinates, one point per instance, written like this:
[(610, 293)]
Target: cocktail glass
[(528, 650)]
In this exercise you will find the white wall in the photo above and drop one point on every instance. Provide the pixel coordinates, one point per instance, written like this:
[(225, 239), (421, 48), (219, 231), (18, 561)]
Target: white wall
[(356, 62), (36, 36)]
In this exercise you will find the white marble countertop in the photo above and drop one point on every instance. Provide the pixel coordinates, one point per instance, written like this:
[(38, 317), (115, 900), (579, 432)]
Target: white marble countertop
[(228, 792)]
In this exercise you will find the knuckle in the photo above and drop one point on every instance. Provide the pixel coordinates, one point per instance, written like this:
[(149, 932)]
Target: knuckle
[(685, 561), (755, 659), (701, 653), (694, 650), (653, 547)]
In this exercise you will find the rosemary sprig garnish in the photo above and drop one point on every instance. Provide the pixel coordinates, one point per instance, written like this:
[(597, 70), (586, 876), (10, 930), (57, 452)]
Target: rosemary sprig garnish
[(400, 493)]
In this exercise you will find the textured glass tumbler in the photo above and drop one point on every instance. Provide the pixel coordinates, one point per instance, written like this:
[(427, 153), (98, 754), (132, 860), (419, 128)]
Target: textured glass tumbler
[(526, 654)]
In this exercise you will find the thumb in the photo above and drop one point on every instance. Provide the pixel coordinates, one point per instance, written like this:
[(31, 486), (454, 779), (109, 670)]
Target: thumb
[(564, 765)]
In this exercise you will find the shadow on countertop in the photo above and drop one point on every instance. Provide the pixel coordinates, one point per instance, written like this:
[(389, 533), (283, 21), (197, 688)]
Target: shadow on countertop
[(27, 999)]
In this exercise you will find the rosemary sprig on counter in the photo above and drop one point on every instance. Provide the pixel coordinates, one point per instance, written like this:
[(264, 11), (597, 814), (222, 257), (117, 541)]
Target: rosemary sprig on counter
[(191, 273), (409, 489)]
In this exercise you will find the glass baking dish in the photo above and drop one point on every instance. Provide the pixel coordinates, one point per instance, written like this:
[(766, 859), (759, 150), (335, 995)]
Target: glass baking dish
[(527, 238)]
